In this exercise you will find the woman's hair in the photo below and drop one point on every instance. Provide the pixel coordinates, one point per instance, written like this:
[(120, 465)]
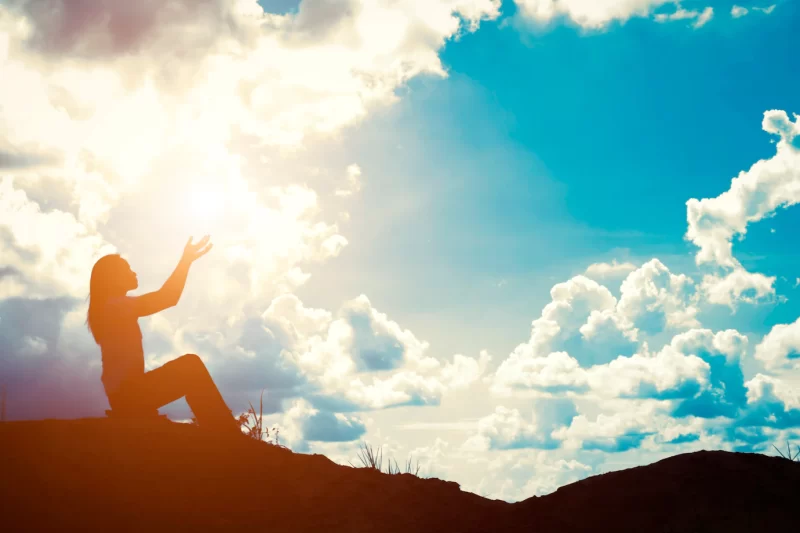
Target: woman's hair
[(105, 279)]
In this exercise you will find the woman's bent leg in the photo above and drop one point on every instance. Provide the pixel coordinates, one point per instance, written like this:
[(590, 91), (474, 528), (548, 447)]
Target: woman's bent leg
[(188, 376)]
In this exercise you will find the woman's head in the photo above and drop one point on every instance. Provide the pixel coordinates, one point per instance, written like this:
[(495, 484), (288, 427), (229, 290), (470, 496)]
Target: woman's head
[(111, 276)]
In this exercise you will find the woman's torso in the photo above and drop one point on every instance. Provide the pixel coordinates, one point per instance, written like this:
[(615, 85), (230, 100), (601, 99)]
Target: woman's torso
[(121, 345)]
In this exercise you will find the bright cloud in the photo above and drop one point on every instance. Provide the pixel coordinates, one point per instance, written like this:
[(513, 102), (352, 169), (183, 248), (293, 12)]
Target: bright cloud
[(612, 269), (600, 13), (754, 195), (739, 11), (588, 14), (780, 348), (700, 18)]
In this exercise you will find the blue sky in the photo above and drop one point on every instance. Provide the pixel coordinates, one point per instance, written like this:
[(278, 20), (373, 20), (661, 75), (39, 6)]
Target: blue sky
[(583, 145), (461, 231)]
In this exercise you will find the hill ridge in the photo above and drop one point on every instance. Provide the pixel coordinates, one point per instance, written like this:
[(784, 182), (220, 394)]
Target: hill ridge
[(130, 476)]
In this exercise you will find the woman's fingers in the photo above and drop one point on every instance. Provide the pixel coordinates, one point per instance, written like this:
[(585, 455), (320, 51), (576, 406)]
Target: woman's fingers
[(200, 248)]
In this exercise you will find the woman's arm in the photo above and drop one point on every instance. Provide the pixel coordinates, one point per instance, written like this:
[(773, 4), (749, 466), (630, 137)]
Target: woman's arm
[(169, 293)]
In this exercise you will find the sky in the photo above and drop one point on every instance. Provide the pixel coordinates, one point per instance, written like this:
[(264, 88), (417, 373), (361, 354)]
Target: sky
[(521, 242)]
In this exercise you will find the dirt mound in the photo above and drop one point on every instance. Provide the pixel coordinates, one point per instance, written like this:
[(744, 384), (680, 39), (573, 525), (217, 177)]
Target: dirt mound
[(103, 474)]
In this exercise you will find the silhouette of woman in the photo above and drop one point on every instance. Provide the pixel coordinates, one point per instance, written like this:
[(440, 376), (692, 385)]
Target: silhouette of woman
[(113, 321)]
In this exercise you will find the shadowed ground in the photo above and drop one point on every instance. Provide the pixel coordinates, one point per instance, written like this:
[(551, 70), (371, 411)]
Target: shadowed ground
[(104, 474)]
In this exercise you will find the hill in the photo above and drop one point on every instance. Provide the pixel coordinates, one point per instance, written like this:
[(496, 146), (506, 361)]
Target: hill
[(112, 475)]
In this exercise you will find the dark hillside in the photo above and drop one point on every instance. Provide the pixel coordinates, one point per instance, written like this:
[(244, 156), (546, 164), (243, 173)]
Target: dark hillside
[(103, 474)]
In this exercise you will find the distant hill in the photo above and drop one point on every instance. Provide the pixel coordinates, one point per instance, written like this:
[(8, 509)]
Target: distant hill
[(111, 475)]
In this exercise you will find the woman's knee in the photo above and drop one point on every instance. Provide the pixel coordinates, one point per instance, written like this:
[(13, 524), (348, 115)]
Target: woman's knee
[(192, 362)]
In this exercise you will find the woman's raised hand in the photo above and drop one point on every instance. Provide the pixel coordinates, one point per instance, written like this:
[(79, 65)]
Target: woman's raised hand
[(193, 252)]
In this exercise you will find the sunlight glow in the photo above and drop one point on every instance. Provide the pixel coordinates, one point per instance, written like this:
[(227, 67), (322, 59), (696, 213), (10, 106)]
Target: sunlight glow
[(206, 203)]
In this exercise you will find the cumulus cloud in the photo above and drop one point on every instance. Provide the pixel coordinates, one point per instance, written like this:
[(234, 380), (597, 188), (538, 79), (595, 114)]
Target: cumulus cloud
[(507, 429), (780, 348), (667, 374), (754, 194), (356, 359), (520, 474), (585, 326), (653, 298), (738, 285), (771, 403), (303, 424), (581, 313), (610, 433)]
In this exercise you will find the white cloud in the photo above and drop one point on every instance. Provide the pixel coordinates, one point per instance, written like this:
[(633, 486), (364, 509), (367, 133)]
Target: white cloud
[(597, 14), (302, 424), (553, 372), (588, 13), (362, 357), (508, 428), (653, 298), (504, 429), (352, 183), (738, 11), (780, 348), (730, 343), (766, 10), (666, 374), (738, 285), (772, 403), (700, 17), (52, 251), (585, 326), (704, 17), (582, 311), (763, 387), (611, 433), (464, 371), (515, 475), (613, 269), (754, 195)]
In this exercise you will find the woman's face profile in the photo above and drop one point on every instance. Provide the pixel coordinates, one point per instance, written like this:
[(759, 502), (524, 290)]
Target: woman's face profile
[(128, 277)]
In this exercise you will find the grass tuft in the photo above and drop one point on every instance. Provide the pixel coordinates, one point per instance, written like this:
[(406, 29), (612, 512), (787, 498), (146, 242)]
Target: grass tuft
[(788, 455), (370, 458)]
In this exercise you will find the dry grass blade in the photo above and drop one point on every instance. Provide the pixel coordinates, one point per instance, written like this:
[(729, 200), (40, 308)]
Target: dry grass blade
[(788, 455), (410, 469), (368, 457)]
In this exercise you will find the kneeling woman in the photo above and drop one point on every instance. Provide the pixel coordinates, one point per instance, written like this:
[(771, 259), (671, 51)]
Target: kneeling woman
[(113, 320)]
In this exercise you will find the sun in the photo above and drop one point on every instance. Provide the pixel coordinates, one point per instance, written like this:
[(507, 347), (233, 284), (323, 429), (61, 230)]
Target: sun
[(206, 203)]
